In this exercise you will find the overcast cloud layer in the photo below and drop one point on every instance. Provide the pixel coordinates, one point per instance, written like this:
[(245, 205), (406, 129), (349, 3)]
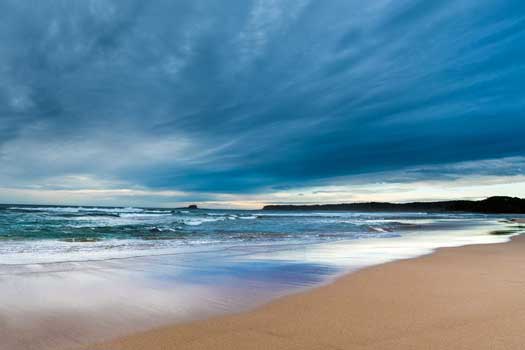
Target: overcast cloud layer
[(219, 98)]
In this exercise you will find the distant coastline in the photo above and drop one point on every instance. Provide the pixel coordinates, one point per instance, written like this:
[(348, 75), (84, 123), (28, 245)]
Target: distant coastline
[(491, 205)]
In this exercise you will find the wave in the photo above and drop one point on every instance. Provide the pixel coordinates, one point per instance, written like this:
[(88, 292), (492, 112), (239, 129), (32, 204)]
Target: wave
[(199, 221), (88, 215), (77, 209), (144, 215), (116, 231)]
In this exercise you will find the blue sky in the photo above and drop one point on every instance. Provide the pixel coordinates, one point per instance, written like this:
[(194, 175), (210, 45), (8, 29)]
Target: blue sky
[(245, 102)]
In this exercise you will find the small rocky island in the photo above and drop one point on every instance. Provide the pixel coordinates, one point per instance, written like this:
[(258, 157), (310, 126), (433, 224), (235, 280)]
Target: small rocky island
[(189, 207)]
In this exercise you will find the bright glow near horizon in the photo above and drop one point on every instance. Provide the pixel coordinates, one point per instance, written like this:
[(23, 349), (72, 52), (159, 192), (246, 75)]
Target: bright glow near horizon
[(472, 188)]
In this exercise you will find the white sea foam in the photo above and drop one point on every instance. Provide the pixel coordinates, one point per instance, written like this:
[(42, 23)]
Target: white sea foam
[(79, 209), (144, 215), (372, 251), (199, 221)]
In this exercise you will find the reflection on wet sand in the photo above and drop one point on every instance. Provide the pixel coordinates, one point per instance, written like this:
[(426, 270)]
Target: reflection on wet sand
[(67, 304)]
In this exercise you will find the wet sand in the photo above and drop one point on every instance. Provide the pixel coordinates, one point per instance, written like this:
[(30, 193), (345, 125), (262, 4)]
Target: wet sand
[(469, 297)]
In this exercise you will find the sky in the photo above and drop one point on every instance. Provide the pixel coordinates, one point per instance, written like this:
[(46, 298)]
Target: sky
[(241, 103)]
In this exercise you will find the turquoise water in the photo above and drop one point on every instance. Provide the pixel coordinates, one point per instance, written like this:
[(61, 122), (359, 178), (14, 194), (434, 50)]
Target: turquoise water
[(37, 234)]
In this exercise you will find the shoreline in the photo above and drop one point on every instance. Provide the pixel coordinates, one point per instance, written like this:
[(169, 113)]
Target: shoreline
[(425, 302), (72, 305)]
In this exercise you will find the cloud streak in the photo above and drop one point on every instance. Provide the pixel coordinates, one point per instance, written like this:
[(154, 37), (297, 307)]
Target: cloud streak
[(239, 98)]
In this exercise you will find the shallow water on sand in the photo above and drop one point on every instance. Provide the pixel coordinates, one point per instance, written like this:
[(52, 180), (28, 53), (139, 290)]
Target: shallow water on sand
[(57, 290)]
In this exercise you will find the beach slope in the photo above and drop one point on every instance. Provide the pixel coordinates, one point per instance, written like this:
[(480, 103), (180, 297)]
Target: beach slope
[(458, 298)]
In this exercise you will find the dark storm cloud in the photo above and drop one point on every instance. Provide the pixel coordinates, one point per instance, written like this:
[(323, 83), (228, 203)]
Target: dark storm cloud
[(241, 95)]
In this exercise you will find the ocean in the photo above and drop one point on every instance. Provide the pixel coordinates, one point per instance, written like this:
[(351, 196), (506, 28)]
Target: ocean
[(45, 234), (110, 271)]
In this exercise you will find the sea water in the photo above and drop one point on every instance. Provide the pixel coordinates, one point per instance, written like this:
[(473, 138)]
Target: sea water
[(71, 275)]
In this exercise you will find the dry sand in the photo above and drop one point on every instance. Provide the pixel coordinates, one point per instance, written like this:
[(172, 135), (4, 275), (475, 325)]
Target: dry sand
[(458, 298)]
